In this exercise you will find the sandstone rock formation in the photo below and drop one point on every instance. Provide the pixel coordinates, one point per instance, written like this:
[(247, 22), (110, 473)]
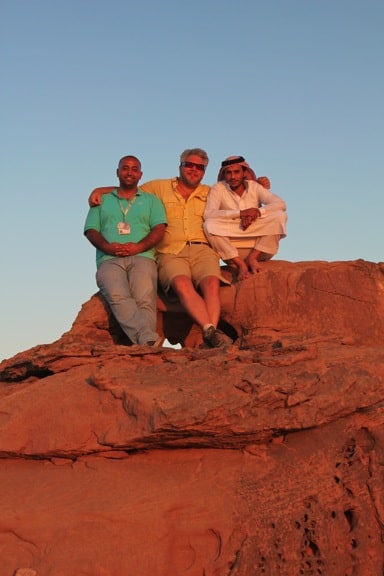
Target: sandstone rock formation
[(265, 459)]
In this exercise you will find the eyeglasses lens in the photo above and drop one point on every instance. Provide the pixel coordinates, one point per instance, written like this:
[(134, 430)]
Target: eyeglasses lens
[(200, 167)]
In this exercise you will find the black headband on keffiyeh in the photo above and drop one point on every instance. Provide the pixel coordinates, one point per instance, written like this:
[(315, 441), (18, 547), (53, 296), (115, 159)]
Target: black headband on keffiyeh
[(249, 174)]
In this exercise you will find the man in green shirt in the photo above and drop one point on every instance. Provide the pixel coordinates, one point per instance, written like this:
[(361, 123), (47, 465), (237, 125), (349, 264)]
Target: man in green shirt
[(125, 229)]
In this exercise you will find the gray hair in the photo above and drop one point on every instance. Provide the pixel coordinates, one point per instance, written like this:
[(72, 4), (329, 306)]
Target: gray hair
[(196, 152)]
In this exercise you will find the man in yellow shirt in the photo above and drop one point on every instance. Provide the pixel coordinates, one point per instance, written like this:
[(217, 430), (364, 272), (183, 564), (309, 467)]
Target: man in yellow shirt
[(186, 262)]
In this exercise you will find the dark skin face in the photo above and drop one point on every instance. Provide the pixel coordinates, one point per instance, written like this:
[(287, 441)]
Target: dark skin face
[(129, 173)]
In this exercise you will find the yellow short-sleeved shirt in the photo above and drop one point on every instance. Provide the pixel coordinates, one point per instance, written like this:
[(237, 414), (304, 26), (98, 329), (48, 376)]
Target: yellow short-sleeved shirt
[(185, 217)]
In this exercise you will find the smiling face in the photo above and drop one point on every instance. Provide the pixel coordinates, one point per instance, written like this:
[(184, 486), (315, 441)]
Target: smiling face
[(192, 170), (234, 176), (129, 172)]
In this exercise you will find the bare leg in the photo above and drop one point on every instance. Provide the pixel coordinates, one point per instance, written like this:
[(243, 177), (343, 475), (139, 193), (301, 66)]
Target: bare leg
[(205, 310), (253, 261), (209, 287), (242, 268), (193, 303)]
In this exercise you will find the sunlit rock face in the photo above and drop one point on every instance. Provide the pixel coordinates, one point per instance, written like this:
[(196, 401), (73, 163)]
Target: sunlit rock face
[(263, 459)]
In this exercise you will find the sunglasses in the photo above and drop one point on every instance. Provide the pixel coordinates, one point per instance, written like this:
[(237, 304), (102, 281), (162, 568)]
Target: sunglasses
[(200, 167)]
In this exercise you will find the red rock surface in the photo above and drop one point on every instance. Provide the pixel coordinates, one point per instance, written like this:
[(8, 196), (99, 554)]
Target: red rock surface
[(266, 459)]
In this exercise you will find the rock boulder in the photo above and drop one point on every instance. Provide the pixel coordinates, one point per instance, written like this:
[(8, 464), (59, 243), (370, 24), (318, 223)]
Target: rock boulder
[(265, 459)]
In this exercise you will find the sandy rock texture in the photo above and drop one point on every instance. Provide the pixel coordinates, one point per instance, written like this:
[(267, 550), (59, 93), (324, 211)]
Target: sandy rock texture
[(264, 459)]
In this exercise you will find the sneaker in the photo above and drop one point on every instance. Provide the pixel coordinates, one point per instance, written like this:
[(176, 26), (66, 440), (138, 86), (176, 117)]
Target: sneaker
[(216, 338)]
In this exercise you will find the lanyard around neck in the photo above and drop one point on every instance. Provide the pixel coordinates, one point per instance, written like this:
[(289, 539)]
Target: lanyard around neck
[(125, 211)]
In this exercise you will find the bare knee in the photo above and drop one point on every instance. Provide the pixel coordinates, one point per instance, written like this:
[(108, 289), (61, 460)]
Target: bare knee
[(210, 285), (182, 285)]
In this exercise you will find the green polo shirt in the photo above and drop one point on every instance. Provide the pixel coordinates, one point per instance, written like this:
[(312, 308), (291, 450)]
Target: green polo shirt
[(141, 215)]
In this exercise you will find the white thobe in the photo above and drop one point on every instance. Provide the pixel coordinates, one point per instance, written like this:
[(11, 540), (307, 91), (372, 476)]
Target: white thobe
[(222, 222)]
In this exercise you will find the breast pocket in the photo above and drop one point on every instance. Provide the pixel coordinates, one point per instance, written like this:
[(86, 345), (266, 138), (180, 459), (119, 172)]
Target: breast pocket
[(174, 210), (199, 206)]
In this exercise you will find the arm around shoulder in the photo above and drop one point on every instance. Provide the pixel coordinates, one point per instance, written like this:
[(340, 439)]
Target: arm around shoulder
[(96, 194)]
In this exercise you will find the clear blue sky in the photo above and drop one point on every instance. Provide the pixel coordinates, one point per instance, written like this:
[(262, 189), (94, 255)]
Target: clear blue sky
[(295, 86)]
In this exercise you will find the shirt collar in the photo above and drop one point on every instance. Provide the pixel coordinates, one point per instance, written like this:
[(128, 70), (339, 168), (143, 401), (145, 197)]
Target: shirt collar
[(138, 193)]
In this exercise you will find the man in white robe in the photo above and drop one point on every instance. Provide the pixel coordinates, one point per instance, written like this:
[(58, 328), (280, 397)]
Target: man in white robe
[(243, 220)]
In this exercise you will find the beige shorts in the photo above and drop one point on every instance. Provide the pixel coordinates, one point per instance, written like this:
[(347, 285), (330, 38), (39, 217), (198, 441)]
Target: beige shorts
[(195, 261)]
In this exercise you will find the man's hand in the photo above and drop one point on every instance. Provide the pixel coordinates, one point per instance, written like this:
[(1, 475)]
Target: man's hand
[(264, 182), (117, 249), (95, 198), (248, 216), (122, 250), (128, 248), (96, 194)]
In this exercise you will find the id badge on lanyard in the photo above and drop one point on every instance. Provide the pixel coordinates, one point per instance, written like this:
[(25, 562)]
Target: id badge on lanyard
[(124, 227)]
